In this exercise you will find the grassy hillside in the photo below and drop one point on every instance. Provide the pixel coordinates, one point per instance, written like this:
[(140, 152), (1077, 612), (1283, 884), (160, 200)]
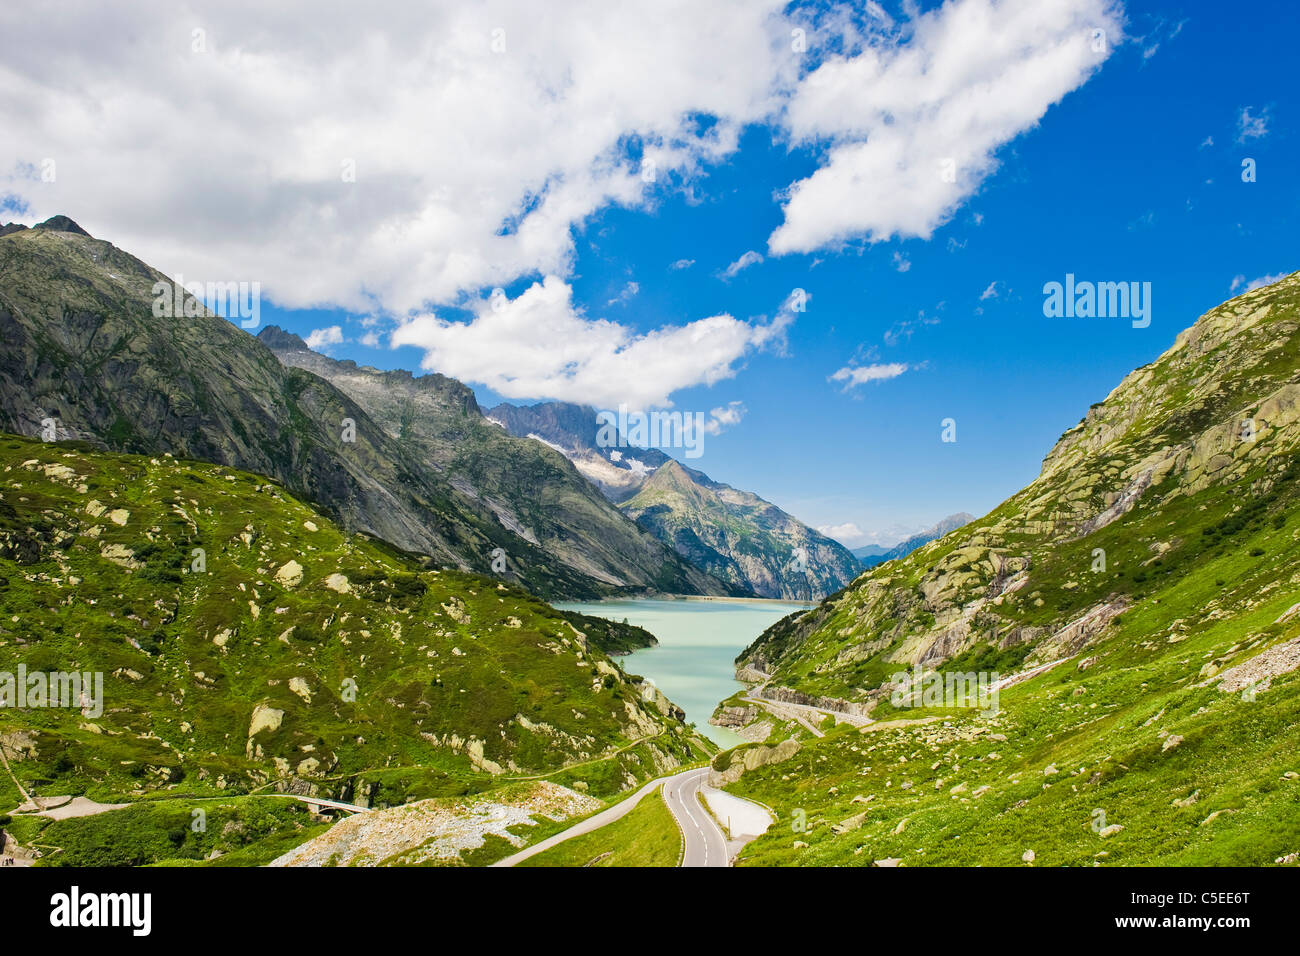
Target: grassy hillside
[(1153, 571), (647, 836), (295, 658)]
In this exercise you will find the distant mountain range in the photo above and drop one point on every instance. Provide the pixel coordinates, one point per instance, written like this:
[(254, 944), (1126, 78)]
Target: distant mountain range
[(524, 493), (874, 554), (868, 552), (734, 535)]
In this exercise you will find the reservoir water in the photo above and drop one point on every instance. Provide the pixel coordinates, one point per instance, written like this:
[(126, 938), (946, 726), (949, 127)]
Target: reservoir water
[(699, 640)]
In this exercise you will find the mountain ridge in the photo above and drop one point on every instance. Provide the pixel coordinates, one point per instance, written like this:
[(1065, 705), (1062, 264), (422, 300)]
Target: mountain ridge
[(85, 351), (869, 558), (734, 535), (1104, 670), (531, 489)]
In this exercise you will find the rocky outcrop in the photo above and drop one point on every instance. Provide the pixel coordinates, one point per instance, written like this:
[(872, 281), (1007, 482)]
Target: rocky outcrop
[(1259, 671), (734, 717), (788, 695), (437, 830), (729, 766)]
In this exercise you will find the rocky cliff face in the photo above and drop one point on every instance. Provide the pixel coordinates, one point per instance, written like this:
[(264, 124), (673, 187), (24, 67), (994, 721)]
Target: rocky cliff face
[(532, 490), (84, 355), (738, 537), (1156, 487), (733, 535)]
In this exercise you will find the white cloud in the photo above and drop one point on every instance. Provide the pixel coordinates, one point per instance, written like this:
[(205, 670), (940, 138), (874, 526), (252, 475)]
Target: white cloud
[(472, 168), (629, 292), (991, 292), (724, 417), (370, 340), (682, 264), (1250, 286), (901, 262), (972, 75), (853, 376), (1162, 33), (555, 351), (750, 258), (1252, 127), (900, 331), (847, 534), (322, 338), (851, 535)]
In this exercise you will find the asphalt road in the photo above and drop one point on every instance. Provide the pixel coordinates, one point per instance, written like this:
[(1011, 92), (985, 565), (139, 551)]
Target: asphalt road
[(704, 842)]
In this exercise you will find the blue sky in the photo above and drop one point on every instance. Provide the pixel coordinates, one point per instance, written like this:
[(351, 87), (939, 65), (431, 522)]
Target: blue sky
[(1135, 174)]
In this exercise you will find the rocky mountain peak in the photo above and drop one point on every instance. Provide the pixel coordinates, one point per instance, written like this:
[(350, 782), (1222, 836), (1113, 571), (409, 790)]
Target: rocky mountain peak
[(62, 224), (277, 339)]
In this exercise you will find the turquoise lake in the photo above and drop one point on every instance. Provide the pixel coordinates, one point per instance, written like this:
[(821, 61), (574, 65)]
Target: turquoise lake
[(694, 663)]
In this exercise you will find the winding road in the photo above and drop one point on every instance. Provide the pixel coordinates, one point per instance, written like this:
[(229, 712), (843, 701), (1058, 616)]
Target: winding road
[(804, 714), (703, 843)]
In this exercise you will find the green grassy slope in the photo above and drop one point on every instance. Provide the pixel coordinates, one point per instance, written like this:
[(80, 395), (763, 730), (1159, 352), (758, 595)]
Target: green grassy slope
[(647, 836), (1174, 677), (374, 680)]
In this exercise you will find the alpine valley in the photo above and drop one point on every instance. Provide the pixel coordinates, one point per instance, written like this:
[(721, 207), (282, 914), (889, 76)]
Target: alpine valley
[(313, 587)]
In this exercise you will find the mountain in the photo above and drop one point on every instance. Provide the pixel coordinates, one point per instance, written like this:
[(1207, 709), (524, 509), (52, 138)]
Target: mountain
[(531, 489), (1139, 606), (734, 535), (245, 644), (737, 536), (573, 430), (84, 352), (872, 555)]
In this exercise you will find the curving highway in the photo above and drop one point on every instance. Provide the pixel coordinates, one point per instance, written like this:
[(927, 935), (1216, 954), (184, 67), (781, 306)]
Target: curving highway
[(702, 840), (703, 843)]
